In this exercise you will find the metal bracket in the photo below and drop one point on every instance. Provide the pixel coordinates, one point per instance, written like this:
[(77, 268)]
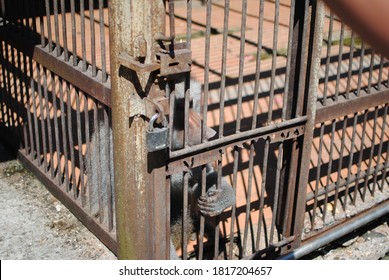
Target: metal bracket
[(179, 62), (130, 63), (171, 59)]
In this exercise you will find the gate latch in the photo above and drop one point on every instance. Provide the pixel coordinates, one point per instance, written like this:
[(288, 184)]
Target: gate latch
[(174, 59), (170, 59)]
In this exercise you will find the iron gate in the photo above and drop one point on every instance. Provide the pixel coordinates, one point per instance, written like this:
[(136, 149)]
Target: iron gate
[(297, 101)]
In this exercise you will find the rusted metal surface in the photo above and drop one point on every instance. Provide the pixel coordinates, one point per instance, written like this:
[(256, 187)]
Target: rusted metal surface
[(140, 192), (317, 32), (349, 165), (346, 106), (303, 142)]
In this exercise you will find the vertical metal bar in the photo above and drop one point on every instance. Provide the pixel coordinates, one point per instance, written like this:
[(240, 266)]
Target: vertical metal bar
[(189, 23), (289, 66), (263, 189), (205, 110), (47, 4), (329, 169), (370, 80), (340, 58), (140, 177), (28, 105), (380, 73), (37, 140), (365, 186), (54, 81), (186, 109), (185, 213), (92, 38), (274, 60), (351, 158), (74, 32), (56, 28), (303, 56), (301, 191), (385, 169), (8, 87), (48, 120), (328, 58), (248, 198), (360, 156), (41, 24), (2, 81), (70, 92), (361, 66), (350, 66), (3, 62), (234, 187), (79, 145), (18, 116), (42, 119), (293, 105), (318, 173), (276, 192), (22, 104), (340, 164), (171, 19), (87, 141), (83, 37), (102, 42), (241, 64), (64, 31), (223, 68), (379, 155), (64, 134), (217, 227), (171, 93), (202, 218), (206, 69)]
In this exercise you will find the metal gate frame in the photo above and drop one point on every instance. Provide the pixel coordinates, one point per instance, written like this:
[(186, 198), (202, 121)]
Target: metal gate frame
[(142, 179), (300, 116)]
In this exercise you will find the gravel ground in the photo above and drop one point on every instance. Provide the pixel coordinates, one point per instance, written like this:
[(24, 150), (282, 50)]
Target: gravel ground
[(368, 243), (35, 225)]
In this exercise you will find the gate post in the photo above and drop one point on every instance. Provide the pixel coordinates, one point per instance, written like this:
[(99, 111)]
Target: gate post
[(301, 101), (141, 195), (310, 99)]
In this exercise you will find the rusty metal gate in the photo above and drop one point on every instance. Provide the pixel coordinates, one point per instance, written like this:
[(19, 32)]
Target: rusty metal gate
[(291, 117)]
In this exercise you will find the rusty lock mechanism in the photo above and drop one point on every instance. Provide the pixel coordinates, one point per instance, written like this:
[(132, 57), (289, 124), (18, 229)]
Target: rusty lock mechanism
[(157, 138), (169, 59)]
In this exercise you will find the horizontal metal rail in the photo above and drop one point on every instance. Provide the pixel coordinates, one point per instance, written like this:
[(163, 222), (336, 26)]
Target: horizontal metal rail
[(338, 231), (345, 106), (83, 80), (241, 137), (206, 152)]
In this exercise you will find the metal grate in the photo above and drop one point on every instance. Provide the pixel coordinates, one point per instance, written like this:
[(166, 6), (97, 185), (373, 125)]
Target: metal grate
[(296, 125)]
